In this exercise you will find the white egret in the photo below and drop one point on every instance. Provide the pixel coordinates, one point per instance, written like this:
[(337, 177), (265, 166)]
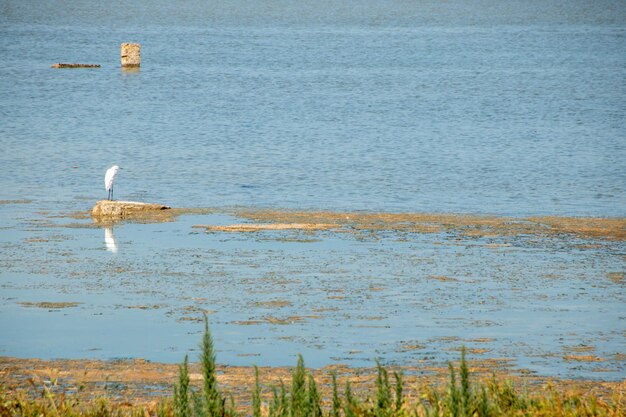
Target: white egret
[(109, 177)]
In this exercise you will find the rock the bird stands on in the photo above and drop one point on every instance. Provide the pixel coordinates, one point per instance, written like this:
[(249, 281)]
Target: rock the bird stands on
[(131, 57)]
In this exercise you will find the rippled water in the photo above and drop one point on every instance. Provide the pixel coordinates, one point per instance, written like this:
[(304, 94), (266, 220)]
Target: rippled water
[(512, 108), (459, 106)]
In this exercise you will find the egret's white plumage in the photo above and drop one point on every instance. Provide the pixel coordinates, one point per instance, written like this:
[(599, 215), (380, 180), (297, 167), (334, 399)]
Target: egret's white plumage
[(109, 177)]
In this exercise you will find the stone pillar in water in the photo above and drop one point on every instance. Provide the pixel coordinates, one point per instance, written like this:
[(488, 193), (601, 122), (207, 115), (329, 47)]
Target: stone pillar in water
[(130, 55)]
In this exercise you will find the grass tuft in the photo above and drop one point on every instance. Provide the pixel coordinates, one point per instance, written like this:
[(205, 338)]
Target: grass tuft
[(383, 392), (256, 394), (181, 391), (213, 402), (336, 407), (466, 394), (399, 389), (453, 394)]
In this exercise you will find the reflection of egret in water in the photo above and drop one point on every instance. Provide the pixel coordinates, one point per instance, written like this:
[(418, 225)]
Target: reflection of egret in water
[(109, 240)]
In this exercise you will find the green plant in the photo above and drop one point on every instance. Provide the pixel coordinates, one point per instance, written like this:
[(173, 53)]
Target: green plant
[(314, 406), (212, 400), (256, 394), (350, 405), (399, 389), (383, 392), (453, 393), (483, 404), (465, 386), (181, 391), (298, 390), (336, 407)]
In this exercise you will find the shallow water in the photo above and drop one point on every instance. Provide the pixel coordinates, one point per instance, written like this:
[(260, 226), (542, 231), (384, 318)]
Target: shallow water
[(460, 106), (348, 297)]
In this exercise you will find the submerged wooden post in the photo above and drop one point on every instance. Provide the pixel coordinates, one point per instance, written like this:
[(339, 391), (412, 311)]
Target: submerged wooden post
[(131, 55)]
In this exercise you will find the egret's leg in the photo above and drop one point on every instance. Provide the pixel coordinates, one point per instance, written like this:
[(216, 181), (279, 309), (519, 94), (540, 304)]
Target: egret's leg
[(111, 193)]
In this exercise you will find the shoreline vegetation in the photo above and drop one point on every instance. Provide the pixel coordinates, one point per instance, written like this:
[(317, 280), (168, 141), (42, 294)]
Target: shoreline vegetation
[(30, 387)]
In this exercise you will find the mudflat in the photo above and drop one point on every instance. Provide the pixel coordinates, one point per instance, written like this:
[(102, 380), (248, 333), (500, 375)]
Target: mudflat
[(137, 382)]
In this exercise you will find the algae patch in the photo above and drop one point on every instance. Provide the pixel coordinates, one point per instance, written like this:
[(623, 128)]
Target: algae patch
[(582, 358), (16, 201), (468, 225), (50, 304), (616, 277), (271, 226)]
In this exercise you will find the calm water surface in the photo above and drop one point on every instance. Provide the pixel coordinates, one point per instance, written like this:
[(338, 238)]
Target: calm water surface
[(460, 106)]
